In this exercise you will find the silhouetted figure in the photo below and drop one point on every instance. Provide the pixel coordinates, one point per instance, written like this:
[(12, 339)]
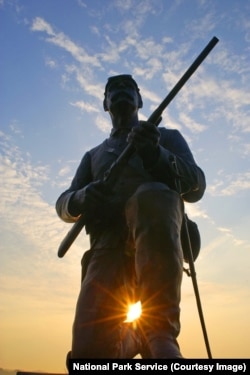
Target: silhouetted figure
[(134, 228)]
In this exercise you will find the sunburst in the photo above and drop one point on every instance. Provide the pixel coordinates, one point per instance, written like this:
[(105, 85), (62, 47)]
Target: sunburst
[(134, 312)]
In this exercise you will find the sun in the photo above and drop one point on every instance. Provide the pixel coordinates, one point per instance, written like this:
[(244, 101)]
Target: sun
[(134, 312)]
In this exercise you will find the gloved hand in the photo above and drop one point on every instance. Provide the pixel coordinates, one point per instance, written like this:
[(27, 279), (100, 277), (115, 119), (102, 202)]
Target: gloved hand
[(87, 198), (97, 203), (145, 138)]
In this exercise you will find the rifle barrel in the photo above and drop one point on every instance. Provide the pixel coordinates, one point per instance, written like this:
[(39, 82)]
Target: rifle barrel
[(197, 62)]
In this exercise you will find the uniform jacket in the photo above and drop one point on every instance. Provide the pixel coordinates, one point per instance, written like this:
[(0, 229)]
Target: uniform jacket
[(98, 160)]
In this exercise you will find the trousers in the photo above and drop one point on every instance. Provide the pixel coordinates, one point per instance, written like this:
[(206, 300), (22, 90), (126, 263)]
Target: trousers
[(152, 273)]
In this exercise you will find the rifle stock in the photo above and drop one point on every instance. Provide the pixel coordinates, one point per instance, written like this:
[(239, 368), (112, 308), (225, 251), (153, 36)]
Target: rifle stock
[(155, 118)]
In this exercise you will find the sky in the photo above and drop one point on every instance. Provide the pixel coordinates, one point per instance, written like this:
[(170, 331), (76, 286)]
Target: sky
[(56, 56)]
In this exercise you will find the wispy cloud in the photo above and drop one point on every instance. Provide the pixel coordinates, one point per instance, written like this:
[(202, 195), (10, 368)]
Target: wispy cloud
[(64, 171), (63, 41), (22, 202), (38, 233), (228, 232), (233, 63), (192, 125), (229, 102), (84, 81), (82, 3), (51, 63), (83, 106), (103, 124), (230, 184), (39, 24), (201, 26)]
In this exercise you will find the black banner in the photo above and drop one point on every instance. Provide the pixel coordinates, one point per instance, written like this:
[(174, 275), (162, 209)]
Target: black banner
[(208, 366)]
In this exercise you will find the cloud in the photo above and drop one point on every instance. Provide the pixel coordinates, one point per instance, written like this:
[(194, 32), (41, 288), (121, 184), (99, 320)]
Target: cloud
[(22, 202), (82, 3), (61, 40), (153, 66), (135, 14), (161, 61), (201, 26), (191, 124), (113, 52), (103, 124), (20, 181), (195, 211), (15, 128), (232, 63), (51, 63), (39, 24), (228, 232), (224, 230), (229, 104), (31, 233), (64, 171), (150, 95), (84, 81), (246, 149), (83, 106), (230, 184), (150, 53)]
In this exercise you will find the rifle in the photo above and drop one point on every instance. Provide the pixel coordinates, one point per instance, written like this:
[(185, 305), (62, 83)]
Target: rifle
[(122, 160)]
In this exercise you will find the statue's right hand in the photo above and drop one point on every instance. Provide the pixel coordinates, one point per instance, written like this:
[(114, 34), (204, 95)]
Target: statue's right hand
[(87, 199), (91, 195), (94, 193)]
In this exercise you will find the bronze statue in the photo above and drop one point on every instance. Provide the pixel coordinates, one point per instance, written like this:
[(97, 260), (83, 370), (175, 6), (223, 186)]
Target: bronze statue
[(134, 228)]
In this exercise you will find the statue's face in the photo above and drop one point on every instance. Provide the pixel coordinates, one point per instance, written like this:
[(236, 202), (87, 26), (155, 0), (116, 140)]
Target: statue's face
[(120, 93)]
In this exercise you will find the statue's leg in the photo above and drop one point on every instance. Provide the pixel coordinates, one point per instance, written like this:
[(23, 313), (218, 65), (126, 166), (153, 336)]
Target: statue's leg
[(101, 308), (154, 215), (98, 313)]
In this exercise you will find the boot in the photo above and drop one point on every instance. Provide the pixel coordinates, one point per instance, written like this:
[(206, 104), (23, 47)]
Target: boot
[(130, 342), (159, 344)]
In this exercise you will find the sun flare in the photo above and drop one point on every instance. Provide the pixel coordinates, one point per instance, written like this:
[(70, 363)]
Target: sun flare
[(134, 312)]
